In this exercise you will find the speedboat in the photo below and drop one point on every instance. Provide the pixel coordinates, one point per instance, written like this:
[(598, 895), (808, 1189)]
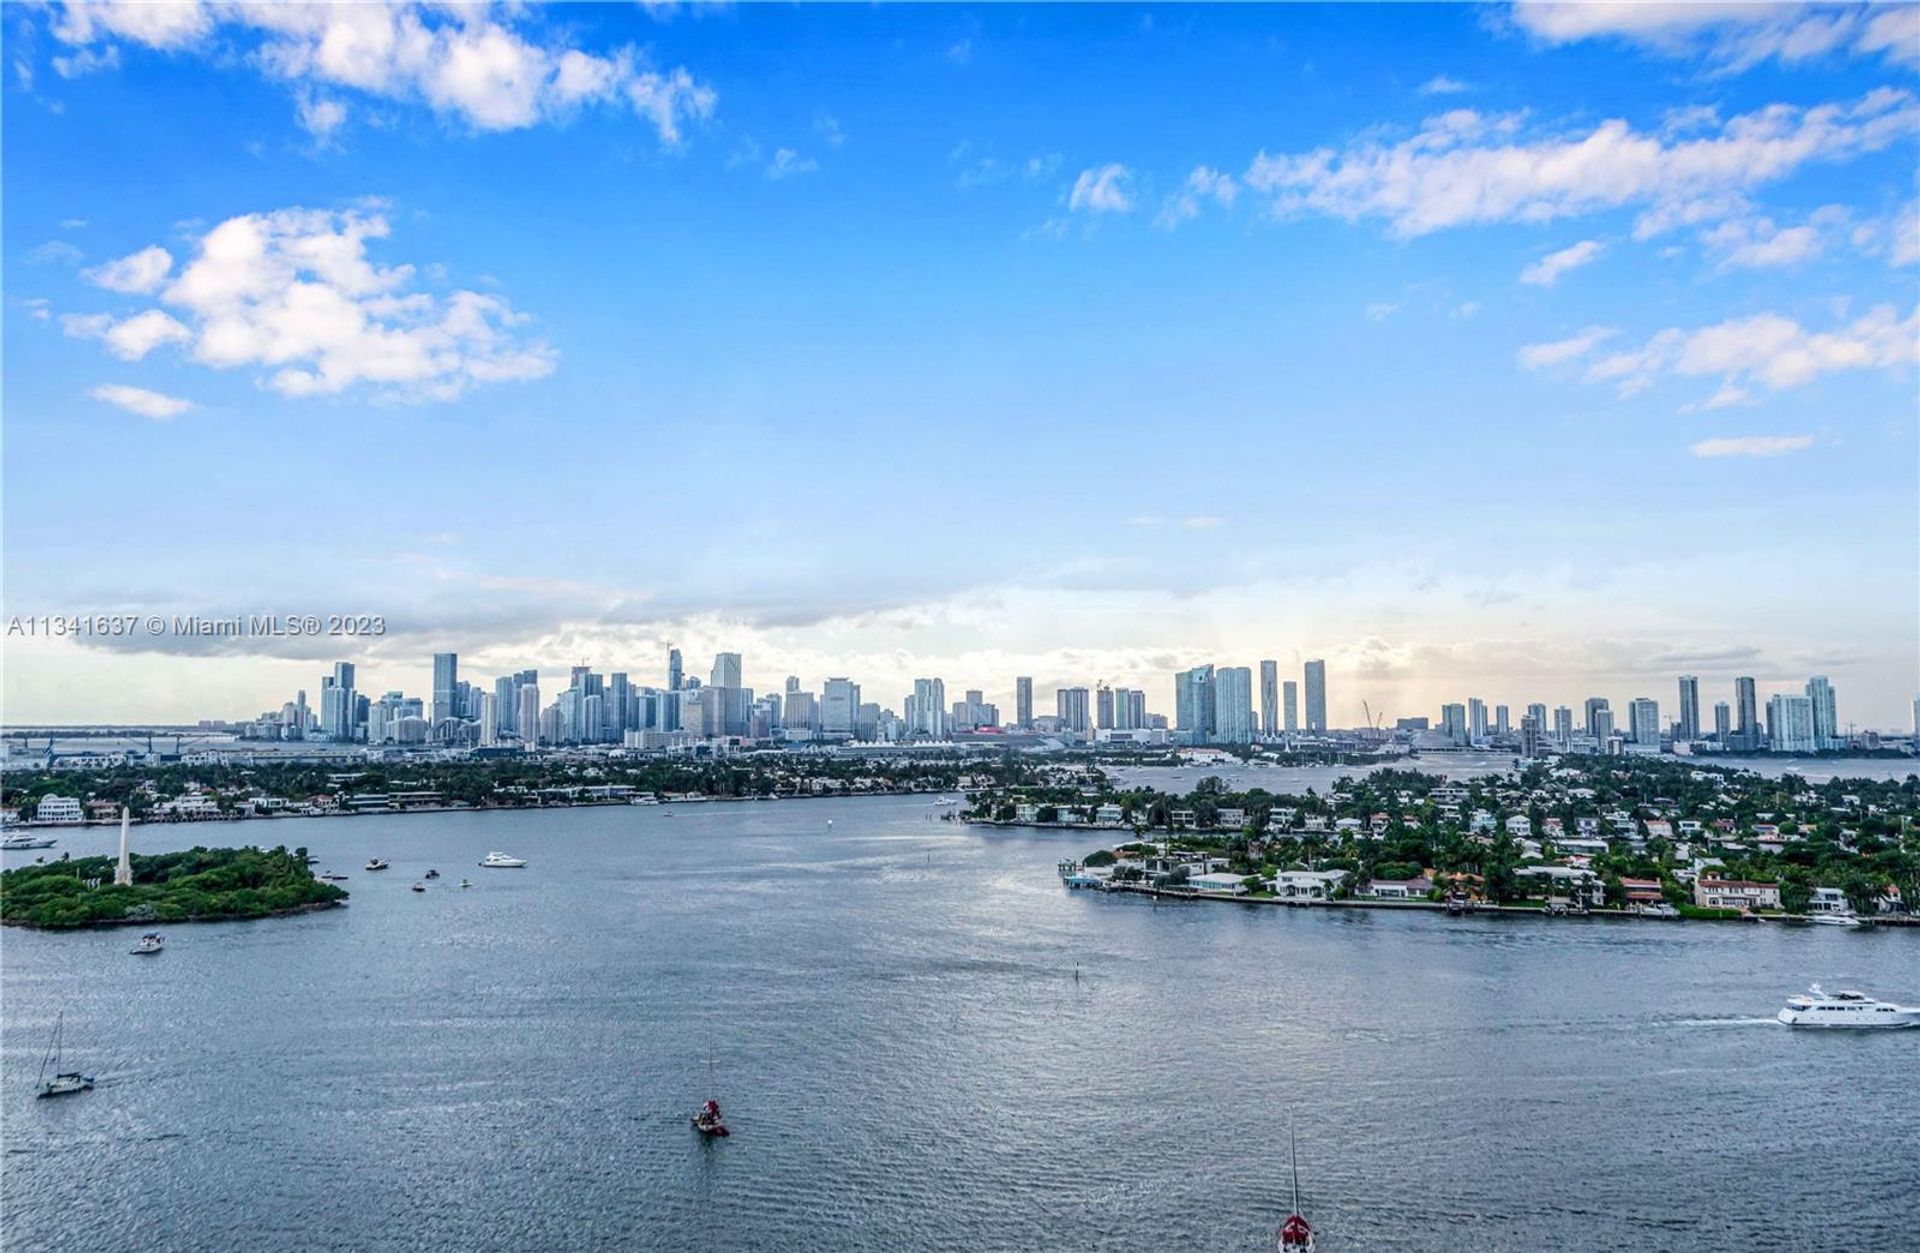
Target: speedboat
[(374, 863), (334, 878), (20, 843), (500, 861), (149, 943), (1659, 910), (465, 884), (1842, 918), (1845, 1009), (419, 887), (1296, 1234)]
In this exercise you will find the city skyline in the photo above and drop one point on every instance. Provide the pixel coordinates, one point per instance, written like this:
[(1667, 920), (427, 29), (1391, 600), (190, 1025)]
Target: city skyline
[(1524, 354)]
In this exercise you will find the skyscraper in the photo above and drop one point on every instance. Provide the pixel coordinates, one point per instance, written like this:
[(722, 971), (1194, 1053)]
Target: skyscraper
[(1233, 705), (1722, 723), (446, 681), (1746, 703), (1103, 707), (1826, 731), (929, 713), (1597, 705), (1023, 702), (1689, 728), (674, 671), (1453, 724), (527, 723), (1476, 719), (1193, 704), (1563, 725), (1071, 704), (1289, 706), (1539, 715), (1791, 721), (1500, 720), (726, 670), (1269, 697), (1643, 721), (1316, 677), (840, 707)]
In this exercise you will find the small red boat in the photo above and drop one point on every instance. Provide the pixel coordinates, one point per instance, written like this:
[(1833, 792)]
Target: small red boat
[(708, 1122), (1296, 1233)]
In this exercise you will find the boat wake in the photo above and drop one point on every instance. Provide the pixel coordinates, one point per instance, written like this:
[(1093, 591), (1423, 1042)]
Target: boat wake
[(1768, 1021)]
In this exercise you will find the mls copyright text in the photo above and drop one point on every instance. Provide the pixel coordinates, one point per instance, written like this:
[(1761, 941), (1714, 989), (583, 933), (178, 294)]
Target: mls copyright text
[(189, 626)]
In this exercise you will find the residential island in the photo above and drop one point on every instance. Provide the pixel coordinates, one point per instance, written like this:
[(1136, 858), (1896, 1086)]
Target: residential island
[(197, 885)]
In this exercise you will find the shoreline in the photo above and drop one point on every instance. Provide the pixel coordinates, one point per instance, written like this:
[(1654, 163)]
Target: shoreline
[(105, 923)]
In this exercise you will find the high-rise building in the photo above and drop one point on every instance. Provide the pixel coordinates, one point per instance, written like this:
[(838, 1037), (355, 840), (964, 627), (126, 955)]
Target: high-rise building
[(1103, 707), (927, 712), (1790, 724), (527, 720), (1193, 704), (1562, 725), (1129, 709), (1643, 721), (489, 722), (1539, 715), (1722, 723), (726, 670), (1826, 730), (1023, 702), (840, 707), (1688, 728), (1476, 719), (675, 674), (1532, 740), (1289, 706), (1746, 704), (1597, 705), (1071, 704), (1269, 697), (1453, 724), (1233, 705), (802, 714), (1500, 717), (446, 681), (1316, 679)]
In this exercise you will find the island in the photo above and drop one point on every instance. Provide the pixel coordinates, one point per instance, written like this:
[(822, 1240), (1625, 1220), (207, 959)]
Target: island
[(197, 885)]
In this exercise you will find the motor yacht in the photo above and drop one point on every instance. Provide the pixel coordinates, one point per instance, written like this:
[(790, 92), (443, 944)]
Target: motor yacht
[(1845, 1009), (149, 943), (1838, 918), (22, 842), (501, 861), (374, 863)]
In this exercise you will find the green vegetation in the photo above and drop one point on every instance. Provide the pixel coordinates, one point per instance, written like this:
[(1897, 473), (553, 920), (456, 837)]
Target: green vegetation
[(201, 884)]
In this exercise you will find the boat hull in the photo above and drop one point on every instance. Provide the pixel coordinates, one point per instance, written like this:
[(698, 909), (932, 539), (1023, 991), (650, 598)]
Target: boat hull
[(1887, 1019)]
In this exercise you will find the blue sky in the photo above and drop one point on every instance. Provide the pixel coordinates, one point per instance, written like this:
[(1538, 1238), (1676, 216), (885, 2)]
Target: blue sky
[(1516, 352)]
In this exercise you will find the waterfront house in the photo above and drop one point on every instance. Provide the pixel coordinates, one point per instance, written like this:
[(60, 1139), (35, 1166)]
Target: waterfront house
[(1026, 812), (1230, 819), (1414, 889), (60, 809), (1576, 882), (1742, 894), (1828, 901), (1307, 885), (1180, 818), (1218, 881), (1642, 891), (1110, 815)]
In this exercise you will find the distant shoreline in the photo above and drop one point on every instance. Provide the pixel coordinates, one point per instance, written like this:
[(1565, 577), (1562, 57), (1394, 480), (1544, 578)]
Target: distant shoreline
[(155, 923)]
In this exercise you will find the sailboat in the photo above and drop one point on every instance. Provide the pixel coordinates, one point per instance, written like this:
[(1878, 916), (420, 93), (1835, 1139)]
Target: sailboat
[(64, 1082), (1296, 1233), (707, 1120)]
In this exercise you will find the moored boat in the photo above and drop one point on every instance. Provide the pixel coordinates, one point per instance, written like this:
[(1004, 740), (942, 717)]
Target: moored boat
[(64, 1082), (707, 1120), (149, 943), (1845, 1009), (22, 842), (374, 863)]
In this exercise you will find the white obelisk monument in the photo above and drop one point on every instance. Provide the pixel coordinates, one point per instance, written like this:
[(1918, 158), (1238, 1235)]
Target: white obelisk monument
[(123, 873)]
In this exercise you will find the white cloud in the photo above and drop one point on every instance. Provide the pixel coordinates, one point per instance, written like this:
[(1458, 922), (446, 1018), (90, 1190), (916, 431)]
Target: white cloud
[(481, 63), (786, 163), (294, 293), (1441, 85), (139, 273), (1768, 349), (1547, 270), (129, 339), (1561, 351), (1757, 243), (1381, 310), (1464, 168), (1733, 35), (1752, 446), (1102, 189), (1204, 184), (155, 405)]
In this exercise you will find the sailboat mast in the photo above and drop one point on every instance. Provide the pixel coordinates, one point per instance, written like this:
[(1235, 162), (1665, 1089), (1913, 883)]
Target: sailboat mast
[(1293, 1145)]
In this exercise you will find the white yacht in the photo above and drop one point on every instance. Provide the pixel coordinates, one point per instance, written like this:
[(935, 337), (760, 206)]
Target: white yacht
[(1846, 1009), (500, 861), (1838, 918), (22, 842), (149, 943)]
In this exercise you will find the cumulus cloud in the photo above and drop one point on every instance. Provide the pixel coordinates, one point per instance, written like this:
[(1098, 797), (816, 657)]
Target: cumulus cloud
[(1441, 85), (1464, 168), (1547, 270), (1758, 243), (1733, 36), (786, 163), (1767, 349), (155, 405), (1751, 446), (137, 274), (294, 294), (1203, 185), (1102, 189), (483, 64)]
